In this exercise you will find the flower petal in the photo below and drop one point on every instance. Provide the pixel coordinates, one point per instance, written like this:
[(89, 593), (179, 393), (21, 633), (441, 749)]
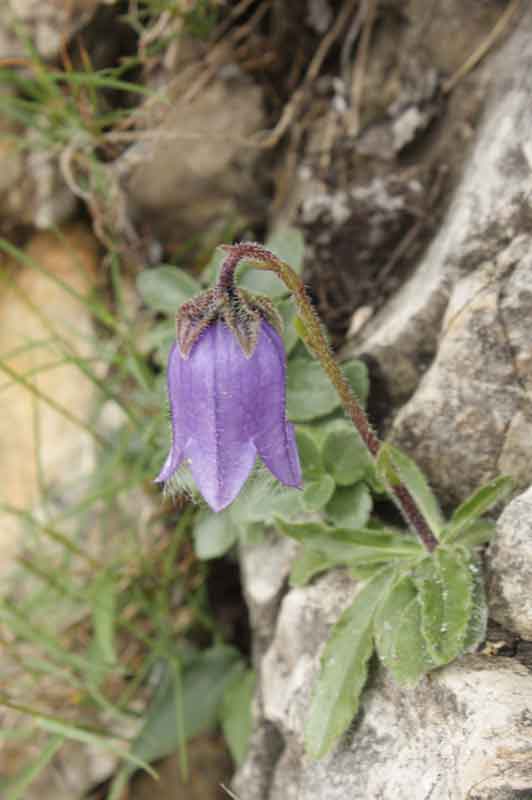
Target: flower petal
[(220, 475), (278, 449), (218, 417), (175, 391)]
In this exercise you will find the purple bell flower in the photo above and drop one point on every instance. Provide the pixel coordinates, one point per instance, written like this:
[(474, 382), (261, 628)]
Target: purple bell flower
[(228, 407)]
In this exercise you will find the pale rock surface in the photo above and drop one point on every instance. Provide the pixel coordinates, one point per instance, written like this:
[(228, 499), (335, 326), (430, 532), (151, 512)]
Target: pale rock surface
[(49, 23), (265, 569), (511, 567), (470, 412), (470, 301), (32, 188), (487, 211), (464, 732), (192, 168), (41, 323)]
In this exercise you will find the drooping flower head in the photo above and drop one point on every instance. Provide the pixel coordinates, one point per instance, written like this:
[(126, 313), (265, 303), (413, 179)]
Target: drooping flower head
[(226, 386)]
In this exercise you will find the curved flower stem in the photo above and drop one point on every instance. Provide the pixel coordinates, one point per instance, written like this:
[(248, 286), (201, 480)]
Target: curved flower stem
[(311, 331)]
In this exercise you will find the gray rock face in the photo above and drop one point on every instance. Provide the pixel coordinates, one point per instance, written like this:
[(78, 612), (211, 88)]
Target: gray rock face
[(511, 567), (466, 421), (487, 212), (454, 737), (48, 22), (463, 733), (192, 169), (471, 414), (265, 569)]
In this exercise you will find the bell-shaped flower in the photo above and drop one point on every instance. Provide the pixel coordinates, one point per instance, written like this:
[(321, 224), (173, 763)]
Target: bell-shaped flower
[(228, 407)]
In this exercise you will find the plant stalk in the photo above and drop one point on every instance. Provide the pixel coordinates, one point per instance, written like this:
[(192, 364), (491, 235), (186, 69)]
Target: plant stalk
[(311, 331)]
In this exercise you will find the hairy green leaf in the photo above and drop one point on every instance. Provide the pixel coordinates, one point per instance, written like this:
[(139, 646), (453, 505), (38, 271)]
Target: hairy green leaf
[(288, 245), (398, 638), (445, 585), (307, 564), (309, 455), (214, 534), (309, 392), (166, 288), (287, 310), (357, 376), (350, 506), (478, 532), (347, 546), (478, 504), (394, 467), (344, 667), (235, 712), (478, 621), (316, 494), (345, 457)]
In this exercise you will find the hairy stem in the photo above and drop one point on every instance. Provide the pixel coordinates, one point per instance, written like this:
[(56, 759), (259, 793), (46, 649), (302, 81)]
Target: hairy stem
[(311, 331)]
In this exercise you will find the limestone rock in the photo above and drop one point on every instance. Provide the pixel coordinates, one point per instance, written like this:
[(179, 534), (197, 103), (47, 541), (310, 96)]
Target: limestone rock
[(32, 189), (460, 422), (265, 568), (462, 733), (511, 567), (289, 668), (470, 415), (49, 24), (41, 323), (486, 212), (193, 168)]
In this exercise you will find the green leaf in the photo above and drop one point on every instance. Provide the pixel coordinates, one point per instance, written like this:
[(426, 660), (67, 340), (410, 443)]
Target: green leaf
[(260, 501), (309, 392), (344, 668), (356, 373), (445, 585), (363, 572), (478, 621), (316, 494), (478, 532), (235, 712), (288, 244), (104, 615), (478, 504), (210, 274), (400, 644), (166, 288), (344, 455), (309, 455), (204, 682), (307, 564), (214, 534), (350, 506), (287, 310), (347, 546), (395, 467)]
